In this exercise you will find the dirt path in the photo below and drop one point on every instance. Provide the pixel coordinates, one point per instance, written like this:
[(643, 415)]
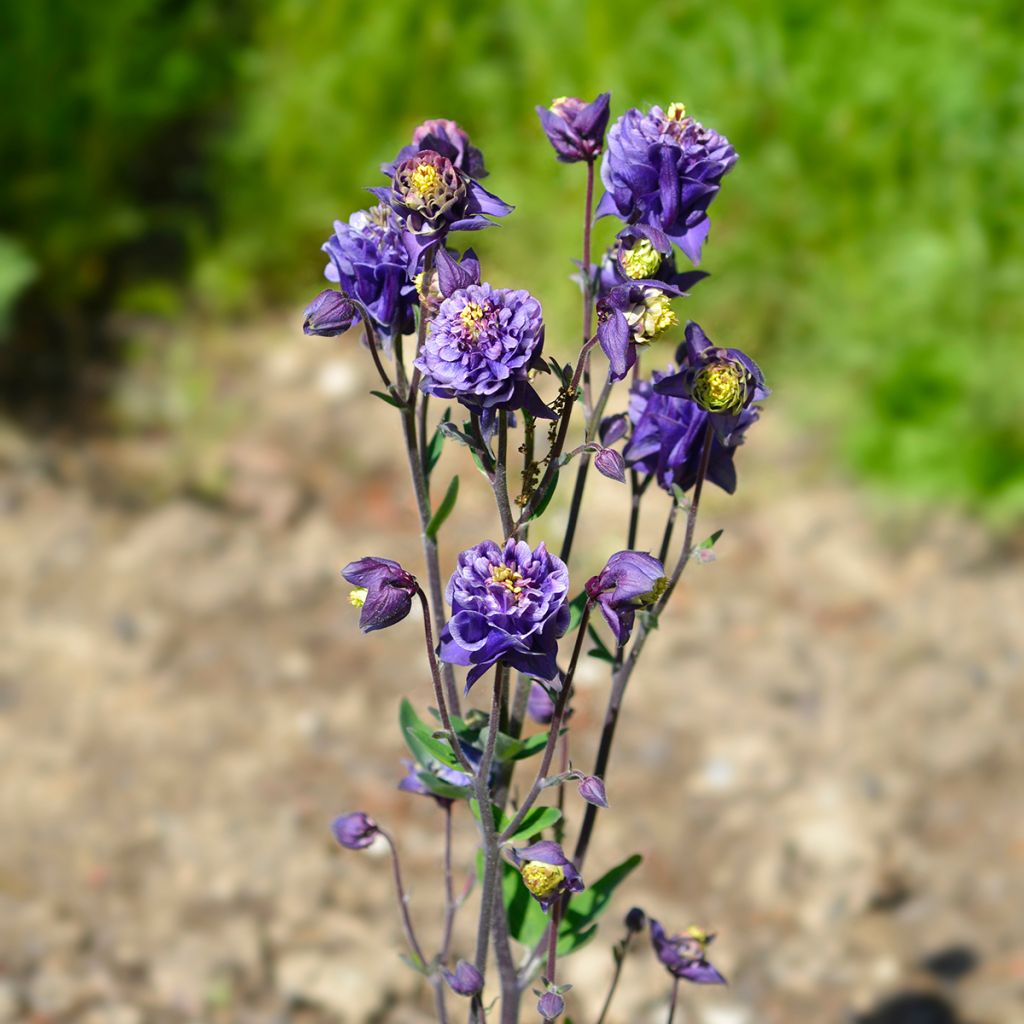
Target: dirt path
[(822, 759)]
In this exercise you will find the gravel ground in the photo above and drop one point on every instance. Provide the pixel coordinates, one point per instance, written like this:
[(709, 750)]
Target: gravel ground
[(820, 759)]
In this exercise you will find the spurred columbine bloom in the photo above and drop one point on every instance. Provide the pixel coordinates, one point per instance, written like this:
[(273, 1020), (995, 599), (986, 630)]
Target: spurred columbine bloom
[(354, 831), (331, 313), (685, 955), (480, 348), (574, 128), (384, 591), (449, 139), (722, 381), (644, 255), (630, 580), (546, 871), (508, 604), (630, 316), (432, 197), (663, 168), (368, 261)]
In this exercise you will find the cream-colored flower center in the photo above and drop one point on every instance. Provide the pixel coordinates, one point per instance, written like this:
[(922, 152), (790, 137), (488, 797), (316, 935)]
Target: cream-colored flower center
[(542, 879)]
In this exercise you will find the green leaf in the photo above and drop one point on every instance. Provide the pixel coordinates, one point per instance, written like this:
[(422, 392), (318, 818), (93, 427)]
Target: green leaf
[(576, 606), (600, 651), (570, 942), (537, 819), (705, 545), (586, 906), (526, 921), (441, 788), (533, 745), (500, 821), (436, 445), (410, 959), (546, 499), (420, 740), (390, 399), (444, 510)]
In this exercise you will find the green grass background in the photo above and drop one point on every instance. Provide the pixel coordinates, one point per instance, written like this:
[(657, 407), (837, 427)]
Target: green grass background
[(163, 157)]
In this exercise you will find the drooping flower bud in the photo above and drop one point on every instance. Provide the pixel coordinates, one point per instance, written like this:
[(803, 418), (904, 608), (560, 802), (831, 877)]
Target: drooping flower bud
[(354, 831), (635, 920), (465, 980), (608, 462), (331, 313), (575, 129), (630, 580), (551, 1005), (684, 955), (384, 591), (546, 871), (592, 790)]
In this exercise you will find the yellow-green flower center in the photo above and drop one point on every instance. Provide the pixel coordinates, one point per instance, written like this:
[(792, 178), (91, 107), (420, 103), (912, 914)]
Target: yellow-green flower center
[(357, 597), (542, 879), (425, 179), (698, 934), (651, 318), (642, 261), (471, 316), (558, 103), (676, 112), (652, 595), (508, 578), (721, 387)]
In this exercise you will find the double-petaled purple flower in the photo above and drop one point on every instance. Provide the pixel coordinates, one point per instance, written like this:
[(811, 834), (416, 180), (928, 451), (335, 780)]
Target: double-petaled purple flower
[(574, 128), (480, 347), (447, 138), (369, 263), (384, 591), (331, 313), (663, 168), (685, 955), (643, 255), (631, 580), (724, 382), (508, 604), (629, 316), (546, 871), (354, 831), (432, 197)]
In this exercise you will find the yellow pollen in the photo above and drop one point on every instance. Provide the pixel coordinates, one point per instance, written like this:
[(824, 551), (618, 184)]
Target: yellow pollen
[(471, 315), (698, 933), (508, 578), (357, 597), (652, 595), (418, 281), (558, 103), (542, 879), (658, 316), (425, 179), (676, 112), (719, 388), (642, 261)]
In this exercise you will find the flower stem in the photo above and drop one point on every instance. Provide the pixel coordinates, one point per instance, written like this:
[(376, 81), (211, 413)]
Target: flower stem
[(500, 478), (636, 492), (588, 296), (672, 1004), (403, 901), (666, 537), (620, 959), (574, 506), (556, 916), (450, 906)]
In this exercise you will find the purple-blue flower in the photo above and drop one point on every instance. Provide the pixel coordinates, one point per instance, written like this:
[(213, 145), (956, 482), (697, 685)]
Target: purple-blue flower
[(432, 197), (480, 348), (384, 591), (550, 1006), (591, 788), (684, 955), (354, 831), (724, 382), (539, 706), (608, 462), (574, 128), (508, 604), (663, 168), (630, 316), (643, 255), (331, 313), (630, 580), (449, 139), (412, 783), (546, 871), (368, 262), (465, 980)]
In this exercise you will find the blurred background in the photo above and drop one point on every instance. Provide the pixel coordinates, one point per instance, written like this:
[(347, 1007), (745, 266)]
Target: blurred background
[(184, 698)]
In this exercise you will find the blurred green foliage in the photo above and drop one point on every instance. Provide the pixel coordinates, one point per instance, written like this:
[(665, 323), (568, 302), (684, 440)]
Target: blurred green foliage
[(868, 246)]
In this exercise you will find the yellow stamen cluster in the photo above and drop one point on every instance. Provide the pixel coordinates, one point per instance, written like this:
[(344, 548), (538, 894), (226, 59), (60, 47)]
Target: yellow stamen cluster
[(698, 933), (655, 316), (542, 879), (720, 387), (652, 595), (676, 112), (471, 315), (557, 104), (357, 597), (642, 261), (425, 179), (508, 578)]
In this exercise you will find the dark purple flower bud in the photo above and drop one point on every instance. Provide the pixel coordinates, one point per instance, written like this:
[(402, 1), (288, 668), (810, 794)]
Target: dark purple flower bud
[(480, 348), (663, 169), (546, 871), (722, 381), (540, 707), (550, 1006), (684, 955), (368, 261), (508, 604), (592, 790), (465, 980), (451, 140), (635, 920), (608, 462), (384, 591), (453, 274), (630, 580), (354, 831), (331, 313), (574, 128), (613, 428)]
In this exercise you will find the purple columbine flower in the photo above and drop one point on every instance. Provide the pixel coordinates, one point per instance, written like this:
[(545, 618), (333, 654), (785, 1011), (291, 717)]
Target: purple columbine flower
[(368, 261), (591, 788), (643, 255), (685, 955), (354, 831), (574, 128), (465, 980), (546, 871), (447, 138), (384, 591), (667, 436), (550, 1006), (331, 313), (663, 168), (432, 197), (722, 381), (480, 348), (630, 316), (630, 580), (508, 604), (608, 462)]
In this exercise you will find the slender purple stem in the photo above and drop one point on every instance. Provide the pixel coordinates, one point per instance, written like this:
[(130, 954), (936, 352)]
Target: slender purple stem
[(403, 901), (672, 1004), (620, 958)]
